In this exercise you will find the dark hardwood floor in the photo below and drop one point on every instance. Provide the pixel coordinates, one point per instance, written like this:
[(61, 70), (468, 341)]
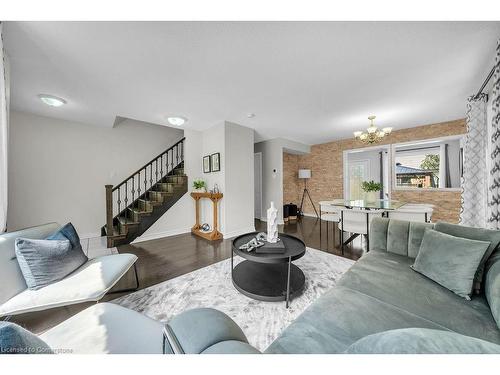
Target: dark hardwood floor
[(165, 258)]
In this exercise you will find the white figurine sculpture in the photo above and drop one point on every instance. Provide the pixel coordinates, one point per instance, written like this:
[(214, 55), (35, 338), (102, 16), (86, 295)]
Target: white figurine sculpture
[(272, 224)]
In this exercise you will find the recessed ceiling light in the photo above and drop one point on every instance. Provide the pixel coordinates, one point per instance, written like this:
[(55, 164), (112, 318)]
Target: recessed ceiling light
[(51, 100), (177, 120), (251, 115)]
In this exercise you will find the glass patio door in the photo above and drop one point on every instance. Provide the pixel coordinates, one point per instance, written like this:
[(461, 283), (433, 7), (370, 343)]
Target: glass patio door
[(358, 171)]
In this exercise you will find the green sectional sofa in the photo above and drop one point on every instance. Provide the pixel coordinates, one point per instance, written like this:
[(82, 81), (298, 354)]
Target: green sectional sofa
[(381, 305), (381, 292)]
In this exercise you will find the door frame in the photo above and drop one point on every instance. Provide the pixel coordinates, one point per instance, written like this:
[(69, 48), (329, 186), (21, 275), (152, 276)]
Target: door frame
[(260, 169), (345, 171)]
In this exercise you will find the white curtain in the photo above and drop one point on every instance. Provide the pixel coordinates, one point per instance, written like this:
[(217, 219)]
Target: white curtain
[(494, 196), (4, 131), (474, 179)]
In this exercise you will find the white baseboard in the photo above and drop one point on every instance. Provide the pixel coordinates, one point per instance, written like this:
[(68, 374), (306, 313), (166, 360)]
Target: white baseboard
[(238, 232), (168, 233)]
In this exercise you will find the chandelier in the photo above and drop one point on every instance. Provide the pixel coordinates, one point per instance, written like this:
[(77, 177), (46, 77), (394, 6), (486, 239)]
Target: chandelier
[(372, 134)]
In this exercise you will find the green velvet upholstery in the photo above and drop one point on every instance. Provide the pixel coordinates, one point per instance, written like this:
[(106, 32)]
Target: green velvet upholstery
[(231, 347), (450, 261), (338, 319), (492, 236), (416, 236), (421, 341), (397, 236), (367, 301), (492, 286), (378, 234), (412, 292), (205, 329)]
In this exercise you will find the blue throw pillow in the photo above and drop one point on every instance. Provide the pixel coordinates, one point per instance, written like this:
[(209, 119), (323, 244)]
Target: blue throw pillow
[(16, 340), (68, 232), (43, 262)]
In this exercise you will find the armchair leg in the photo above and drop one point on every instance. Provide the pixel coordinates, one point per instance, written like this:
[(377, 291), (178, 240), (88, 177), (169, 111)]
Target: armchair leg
[(129, 289)]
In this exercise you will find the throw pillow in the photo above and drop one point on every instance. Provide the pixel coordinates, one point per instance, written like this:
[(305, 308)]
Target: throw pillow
[(16, 340), (43, 262), (450, 261), (68, 232), (480, 234)]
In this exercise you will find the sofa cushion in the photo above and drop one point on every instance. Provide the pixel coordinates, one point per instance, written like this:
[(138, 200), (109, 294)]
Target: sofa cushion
[(492, 236), (388, 277), (450, 261), (43, 262), (107, 328), (397, 236), (421, 341), (16, 340), (338, 319), (88, 283), (415, 237)]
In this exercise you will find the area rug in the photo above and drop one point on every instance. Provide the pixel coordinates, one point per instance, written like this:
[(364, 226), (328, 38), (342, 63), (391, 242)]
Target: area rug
[(211, 286)]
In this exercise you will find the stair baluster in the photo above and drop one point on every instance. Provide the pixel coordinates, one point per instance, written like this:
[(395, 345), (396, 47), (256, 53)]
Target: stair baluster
[(139, 213)]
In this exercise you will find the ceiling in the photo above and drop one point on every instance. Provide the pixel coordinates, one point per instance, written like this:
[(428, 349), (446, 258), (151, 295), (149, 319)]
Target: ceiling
[(306, 81)]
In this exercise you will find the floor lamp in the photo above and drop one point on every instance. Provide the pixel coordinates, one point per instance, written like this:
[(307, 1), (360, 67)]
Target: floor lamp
[(305, 174)]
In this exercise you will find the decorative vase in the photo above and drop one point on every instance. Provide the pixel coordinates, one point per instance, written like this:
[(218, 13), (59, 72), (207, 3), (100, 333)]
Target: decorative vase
[(372, 196), (272, 224)]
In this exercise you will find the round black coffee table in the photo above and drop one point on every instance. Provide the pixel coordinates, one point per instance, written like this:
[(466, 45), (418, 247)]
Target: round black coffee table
[(268, 277)]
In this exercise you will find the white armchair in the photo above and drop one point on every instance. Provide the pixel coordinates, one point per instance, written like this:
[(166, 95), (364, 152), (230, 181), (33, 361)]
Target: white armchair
[(90, 282)]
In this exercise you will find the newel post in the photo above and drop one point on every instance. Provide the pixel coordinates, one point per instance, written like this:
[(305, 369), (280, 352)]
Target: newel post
[(109, 214)]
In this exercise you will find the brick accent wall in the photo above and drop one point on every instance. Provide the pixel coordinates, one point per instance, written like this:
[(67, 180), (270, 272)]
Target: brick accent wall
[(325, 162)]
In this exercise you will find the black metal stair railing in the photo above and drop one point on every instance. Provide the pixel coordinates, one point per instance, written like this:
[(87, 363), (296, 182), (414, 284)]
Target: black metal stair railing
[(127, 193)]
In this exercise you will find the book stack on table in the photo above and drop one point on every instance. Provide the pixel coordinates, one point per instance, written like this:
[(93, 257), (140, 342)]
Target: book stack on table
[(271, 248)]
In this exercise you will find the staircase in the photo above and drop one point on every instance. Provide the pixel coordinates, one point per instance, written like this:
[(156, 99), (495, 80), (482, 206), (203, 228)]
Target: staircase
[(135, 204)]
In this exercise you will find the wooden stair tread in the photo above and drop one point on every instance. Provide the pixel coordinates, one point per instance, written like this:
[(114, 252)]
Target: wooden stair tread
[(127, 221)]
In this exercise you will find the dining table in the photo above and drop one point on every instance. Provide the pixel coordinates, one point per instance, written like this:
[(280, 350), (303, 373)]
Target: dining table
[(378, 205)]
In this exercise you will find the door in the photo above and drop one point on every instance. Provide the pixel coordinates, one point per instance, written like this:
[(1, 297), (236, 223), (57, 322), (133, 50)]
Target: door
[(358, 171), (257, 165)]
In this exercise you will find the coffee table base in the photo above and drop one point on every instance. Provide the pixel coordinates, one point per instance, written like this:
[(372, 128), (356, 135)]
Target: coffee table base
[(267, 282)]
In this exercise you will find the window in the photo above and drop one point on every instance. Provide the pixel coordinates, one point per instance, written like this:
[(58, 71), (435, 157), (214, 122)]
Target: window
[(428, 164)]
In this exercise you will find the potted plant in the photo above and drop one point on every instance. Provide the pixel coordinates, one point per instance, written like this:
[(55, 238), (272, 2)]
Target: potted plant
[(371, 188), (199, 186)]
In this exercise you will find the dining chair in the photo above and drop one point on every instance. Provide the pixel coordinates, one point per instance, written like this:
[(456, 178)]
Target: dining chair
[(357, 222), (413, 212), (329, 213)]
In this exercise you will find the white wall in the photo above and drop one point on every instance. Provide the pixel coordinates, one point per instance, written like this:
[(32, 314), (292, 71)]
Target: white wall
[(239, 180), (235, 181), (272, 170), (180, 217), (58, 169), (214, 141)]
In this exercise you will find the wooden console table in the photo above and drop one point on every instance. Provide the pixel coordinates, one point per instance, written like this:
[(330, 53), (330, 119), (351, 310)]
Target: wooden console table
[(196, 229)]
